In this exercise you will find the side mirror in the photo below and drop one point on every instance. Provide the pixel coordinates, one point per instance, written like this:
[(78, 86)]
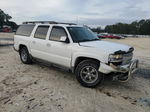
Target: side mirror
[(64, 39)]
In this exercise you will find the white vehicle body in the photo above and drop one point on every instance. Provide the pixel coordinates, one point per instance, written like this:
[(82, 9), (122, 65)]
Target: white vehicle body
[(66, 54)]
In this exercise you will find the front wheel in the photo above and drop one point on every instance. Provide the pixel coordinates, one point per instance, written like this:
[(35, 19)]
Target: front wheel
[(87, 73)]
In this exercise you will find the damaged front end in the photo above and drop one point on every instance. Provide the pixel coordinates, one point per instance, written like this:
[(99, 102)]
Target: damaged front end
[(122, 64)]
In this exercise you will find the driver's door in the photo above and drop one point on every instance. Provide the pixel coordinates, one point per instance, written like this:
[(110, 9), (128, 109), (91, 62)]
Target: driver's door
[(60, 52)]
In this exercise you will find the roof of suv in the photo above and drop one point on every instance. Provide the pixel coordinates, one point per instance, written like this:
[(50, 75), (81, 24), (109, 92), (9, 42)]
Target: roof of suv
[(48, 22)]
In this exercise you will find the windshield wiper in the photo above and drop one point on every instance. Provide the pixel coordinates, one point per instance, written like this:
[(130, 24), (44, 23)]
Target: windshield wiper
[(85, 40), (94, 39)]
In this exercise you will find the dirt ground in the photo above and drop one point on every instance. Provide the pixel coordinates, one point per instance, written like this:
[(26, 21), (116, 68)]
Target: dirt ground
[(43, 88)]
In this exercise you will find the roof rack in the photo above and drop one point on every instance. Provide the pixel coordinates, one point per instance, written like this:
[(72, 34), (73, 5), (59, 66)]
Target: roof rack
[(47, 22)]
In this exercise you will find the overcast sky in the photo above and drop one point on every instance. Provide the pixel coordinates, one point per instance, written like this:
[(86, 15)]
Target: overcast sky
[(90, 12)]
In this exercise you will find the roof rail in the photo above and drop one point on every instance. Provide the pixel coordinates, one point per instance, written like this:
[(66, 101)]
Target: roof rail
[(42, 22), (67, 23), (48, 22)]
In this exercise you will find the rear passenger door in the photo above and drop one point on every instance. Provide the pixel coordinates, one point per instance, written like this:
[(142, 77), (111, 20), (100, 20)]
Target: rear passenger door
[(38, 42)]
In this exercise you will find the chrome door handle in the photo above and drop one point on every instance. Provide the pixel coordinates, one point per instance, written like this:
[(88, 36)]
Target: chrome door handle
[(48, 45)]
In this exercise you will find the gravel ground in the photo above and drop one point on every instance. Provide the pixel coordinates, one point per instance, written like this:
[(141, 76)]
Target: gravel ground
[(43, 88)]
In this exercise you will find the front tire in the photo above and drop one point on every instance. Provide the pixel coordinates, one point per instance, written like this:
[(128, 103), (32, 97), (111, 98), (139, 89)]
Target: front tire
[(25, 56), (87, 73)]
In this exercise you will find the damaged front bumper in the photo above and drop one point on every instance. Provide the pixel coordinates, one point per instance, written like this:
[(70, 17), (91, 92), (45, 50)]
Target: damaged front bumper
[(129, 68)]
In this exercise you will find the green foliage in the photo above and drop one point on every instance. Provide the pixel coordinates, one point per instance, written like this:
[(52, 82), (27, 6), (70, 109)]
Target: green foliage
[(4, 20), (98, 30), (141, 27)]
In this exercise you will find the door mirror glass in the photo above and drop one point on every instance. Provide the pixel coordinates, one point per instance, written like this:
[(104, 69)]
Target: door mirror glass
[(63, 39)]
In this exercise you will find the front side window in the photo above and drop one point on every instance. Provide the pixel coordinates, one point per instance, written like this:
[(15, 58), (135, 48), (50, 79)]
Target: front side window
[(82, 34), (25, 30), (41, 32), (57, 33)]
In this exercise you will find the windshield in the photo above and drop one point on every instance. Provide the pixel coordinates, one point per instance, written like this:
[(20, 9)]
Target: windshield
[(82, 34)]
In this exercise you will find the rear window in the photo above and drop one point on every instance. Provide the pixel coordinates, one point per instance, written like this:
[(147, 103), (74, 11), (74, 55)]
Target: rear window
[(25, 30), (41, 32)]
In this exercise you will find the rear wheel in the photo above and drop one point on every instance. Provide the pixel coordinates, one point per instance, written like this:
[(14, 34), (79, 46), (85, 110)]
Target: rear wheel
[(87, 73), (24, 56)]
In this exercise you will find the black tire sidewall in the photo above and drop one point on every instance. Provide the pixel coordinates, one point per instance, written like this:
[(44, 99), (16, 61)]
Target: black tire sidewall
[(28, 61), (88, 63)]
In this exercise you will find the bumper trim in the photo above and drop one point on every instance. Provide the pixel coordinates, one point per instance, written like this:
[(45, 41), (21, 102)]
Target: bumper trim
[(132, 67), (15, 49)]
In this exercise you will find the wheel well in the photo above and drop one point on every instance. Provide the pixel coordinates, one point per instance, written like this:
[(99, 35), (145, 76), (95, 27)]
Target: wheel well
[(21, 46), (80, 59)]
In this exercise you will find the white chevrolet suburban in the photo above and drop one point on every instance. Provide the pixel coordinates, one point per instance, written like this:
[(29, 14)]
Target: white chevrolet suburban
[(76, 48)]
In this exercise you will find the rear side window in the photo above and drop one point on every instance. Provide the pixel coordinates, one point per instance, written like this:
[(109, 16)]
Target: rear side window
[(41, 32), (25, 30), (57, 32)]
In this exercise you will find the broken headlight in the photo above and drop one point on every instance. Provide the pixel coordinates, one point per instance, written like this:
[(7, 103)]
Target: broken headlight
[(115, 58)]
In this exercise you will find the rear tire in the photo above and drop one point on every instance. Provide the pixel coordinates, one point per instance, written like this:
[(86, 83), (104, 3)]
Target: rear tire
[(87, 73), (25, 56)]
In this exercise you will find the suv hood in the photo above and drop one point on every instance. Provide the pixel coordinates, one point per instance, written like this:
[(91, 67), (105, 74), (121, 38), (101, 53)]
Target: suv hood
[(106, 46)]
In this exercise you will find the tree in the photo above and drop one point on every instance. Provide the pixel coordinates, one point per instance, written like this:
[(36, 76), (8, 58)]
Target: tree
[(98, 30), (1, 18), (4, 20), (136, 27)]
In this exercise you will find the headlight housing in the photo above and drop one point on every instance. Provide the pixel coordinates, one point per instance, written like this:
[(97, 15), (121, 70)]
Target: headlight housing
[(115, 58)]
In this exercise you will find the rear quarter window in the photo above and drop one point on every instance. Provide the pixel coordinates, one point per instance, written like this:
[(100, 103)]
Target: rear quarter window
[(25, 30)]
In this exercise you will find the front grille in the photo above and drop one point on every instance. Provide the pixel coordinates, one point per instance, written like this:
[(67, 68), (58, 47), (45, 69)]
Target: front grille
[(127, 58), (116, 63)]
